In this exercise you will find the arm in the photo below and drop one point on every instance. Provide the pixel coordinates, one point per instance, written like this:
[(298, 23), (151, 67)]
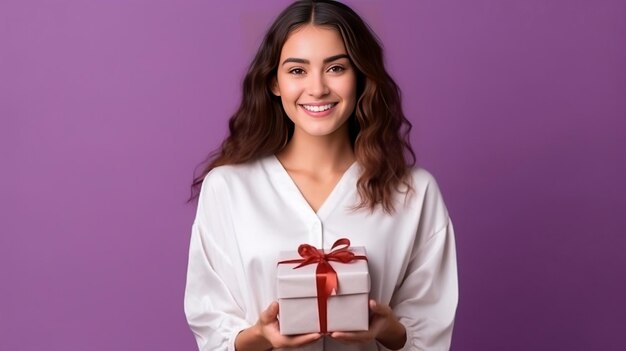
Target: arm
[(213, 312), (425, 303), (213, 315)]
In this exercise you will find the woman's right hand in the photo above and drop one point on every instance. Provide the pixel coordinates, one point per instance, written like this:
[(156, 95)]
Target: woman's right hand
[(265, 334)]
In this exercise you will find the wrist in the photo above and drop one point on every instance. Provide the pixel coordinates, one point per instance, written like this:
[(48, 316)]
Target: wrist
[(394, 336), (252, 339), (260, 338)]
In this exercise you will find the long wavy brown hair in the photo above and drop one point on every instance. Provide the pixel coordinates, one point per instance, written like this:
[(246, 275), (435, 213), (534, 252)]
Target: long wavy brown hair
[(379, 131)]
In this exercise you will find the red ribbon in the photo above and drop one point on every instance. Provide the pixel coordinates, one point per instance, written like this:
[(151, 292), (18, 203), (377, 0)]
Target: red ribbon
[(325, 276)]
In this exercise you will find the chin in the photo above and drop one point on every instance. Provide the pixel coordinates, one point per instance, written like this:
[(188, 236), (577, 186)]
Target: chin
[(317, 133), (320, 129), (321, 133)]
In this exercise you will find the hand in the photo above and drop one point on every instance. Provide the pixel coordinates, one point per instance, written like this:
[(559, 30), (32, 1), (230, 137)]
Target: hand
[(384, 327), (268, 327)]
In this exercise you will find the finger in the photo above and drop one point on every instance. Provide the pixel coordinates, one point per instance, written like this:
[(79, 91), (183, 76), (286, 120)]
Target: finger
[(270, 313), (359, 336), (379, 308), (299, 340)]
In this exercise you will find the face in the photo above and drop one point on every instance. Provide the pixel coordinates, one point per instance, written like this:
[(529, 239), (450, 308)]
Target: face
[(316, 82)]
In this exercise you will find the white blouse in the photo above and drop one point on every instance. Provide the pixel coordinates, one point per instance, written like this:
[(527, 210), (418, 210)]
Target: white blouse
[(248, 213)]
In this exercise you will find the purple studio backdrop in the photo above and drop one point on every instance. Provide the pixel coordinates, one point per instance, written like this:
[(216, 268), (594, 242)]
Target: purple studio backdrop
[(106, 108)]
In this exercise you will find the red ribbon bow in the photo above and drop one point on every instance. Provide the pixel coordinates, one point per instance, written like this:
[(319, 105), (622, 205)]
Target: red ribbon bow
[(325, 276)]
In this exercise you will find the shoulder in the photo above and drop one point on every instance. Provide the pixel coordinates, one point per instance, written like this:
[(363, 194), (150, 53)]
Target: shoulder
[(427, 196), (423, 182), (221, 178), (422, 177), (234, 172)]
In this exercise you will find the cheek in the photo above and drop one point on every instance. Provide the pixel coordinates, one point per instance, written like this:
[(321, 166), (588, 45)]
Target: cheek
[(347, 88), (289, 89)]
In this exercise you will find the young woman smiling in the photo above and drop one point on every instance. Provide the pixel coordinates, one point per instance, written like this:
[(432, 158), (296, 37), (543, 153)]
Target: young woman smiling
[(318, 150)]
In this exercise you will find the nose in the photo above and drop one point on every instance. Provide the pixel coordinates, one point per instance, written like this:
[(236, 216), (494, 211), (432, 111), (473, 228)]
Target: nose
[(317, 86)]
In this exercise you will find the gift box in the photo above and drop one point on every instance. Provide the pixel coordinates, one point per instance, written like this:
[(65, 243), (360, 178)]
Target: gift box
[(322, 291)]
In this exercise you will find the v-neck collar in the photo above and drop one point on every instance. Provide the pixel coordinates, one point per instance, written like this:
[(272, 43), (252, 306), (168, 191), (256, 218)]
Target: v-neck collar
[(295, 196)]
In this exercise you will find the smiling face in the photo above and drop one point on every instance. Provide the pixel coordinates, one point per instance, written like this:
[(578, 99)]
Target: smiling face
[(316, 81)]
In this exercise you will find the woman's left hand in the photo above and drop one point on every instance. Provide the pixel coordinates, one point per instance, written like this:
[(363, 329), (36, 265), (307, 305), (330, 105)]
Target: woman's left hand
[(384, 327)]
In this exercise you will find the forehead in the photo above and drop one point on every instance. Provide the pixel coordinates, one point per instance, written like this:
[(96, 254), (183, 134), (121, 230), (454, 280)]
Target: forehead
[(313, 42)]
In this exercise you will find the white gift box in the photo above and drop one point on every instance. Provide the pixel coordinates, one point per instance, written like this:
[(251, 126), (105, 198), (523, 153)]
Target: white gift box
[(347, 308)]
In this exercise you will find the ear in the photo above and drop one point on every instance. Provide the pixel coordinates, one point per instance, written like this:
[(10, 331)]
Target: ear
[(274, 86)]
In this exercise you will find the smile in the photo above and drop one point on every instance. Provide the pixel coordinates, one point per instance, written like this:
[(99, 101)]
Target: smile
[(320, 108)]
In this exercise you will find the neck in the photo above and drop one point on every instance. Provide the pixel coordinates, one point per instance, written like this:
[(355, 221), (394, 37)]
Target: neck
[(318, 154)]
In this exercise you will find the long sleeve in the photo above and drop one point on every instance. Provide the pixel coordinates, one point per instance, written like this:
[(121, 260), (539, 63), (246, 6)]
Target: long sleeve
[(213, 312), (248, 213), (425, 302)]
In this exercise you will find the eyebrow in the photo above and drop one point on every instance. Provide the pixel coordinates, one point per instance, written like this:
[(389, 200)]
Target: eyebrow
[(326, 60)]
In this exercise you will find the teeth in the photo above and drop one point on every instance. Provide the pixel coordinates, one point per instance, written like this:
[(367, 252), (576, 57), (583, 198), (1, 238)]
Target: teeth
[(317, 108)]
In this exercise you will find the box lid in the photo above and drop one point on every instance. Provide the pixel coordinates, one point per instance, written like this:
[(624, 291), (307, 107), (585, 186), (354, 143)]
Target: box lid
[(353, 277)]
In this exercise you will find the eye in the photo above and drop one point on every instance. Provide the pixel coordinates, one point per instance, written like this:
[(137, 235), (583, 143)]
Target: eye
[(296, 71), (336, 69)]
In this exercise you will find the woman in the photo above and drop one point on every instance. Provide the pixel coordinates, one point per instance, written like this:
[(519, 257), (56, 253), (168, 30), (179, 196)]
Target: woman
[(318, 151)]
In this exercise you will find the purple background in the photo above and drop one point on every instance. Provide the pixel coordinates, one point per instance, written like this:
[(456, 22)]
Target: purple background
[(107, 106)]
